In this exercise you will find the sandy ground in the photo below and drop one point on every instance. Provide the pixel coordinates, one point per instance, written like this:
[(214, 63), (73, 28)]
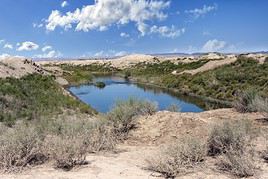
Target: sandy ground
[(129, 159), (18, 67), (211, 65)]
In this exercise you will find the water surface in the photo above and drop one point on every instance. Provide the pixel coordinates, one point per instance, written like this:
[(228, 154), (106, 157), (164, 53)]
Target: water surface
[(120, 89)]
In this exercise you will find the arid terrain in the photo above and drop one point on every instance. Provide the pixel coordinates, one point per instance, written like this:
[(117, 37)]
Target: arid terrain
[(151, 133)]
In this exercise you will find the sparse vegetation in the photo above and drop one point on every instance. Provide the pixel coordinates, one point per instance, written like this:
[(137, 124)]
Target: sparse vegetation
[(179, 157), (234, 135), (174, 108), (124, 112), (20, 146), (238, 163)]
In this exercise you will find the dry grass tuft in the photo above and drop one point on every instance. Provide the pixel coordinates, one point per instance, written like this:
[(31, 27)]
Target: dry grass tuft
[(178, 158)]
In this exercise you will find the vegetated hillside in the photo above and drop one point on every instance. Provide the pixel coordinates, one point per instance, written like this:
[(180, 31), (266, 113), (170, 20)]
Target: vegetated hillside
[(33, 96), (222, 83)]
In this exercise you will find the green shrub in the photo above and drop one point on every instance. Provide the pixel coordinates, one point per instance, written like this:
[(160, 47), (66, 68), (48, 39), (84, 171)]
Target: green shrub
[(33, 96), (231, 134), (123, 113), (100, 84), (179, 157)]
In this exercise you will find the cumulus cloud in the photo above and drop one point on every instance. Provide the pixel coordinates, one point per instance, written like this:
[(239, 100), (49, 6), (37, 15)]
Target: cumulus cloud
[(9, 46), (105, 13), (123, 34), (196, 13), (214, 45), (50, 54), (2, 41), (28, 46), (64, 4), (5, 55), (46, 48), (169, 32)]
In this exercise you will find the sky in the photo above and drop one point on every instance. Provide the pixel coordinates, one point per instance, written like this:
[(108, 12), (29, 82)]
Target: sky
[(100, 28)]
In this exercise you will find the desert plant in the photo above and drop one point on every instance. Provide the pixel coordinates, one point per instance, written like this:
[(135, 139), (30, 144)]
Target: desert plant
[(20, 147), (245, 101), (179, 157), (235, 135), (67, 151), (238, 163), (124, 112), (174, 108)]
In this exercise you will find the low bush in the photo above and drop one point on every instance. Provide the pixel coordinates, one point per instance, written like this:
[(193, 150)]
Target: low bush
[(67, 151), (238, 163), (245, 101), (233, 134), (174, 108), (178, 158), (20, 146), (123, 114)]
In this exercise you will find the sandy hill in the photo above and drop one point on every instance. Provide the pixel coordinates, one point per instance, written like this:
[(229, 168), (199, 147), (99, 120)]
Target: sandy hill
[(18, 67)]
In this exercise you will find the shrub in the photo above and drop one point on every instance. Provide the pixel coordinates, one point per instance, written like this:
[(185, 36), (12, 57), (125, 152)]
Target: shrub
[(70, 140), (238, 163), (124, 112), (235, 135), (245, 101), (20, 147), (173, 108), (67, 151), (179, 157), (100, 84)]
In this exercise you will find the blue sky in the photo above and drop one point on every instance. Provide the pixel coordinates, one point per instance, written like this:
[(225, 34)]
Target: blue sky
[(72, 28)]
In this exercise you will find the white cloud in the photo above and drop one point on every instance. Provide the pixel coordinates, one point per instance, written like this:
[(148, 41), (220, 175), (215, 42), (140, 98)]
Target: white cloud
[(38, 25), (110, 53), (105, 13), (122, 53), (2, 41), (64, 4), (46, 48), (214, 45), (28, 46), (4, 56), (123, 34), (50, 54), (169, 32), (9, 46), (196, 13)]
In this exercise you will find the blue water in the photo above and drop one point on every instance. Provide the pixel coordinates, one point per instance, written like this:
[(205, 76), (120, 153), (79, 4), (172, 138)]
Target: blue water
[(119, 89)]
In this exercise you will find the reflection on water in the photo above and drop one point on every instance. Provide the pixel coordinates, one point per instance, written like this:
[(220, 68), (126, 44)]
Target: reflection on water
[(118, 88)]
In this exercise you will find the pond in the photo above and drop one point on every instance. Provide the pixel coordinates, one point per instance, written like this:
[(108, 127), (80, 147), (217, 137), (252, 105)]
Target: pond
[(116, 88)]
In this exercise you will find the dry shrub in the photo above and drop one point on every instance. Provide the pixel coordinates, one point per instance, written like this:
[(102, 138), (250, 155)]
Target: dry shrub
[(67, 151), (20, 146), (124, 112), (245, 102), (231, 134), (179, 157), (174, 108), (238, 163), (70, 141), (103, 137)]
